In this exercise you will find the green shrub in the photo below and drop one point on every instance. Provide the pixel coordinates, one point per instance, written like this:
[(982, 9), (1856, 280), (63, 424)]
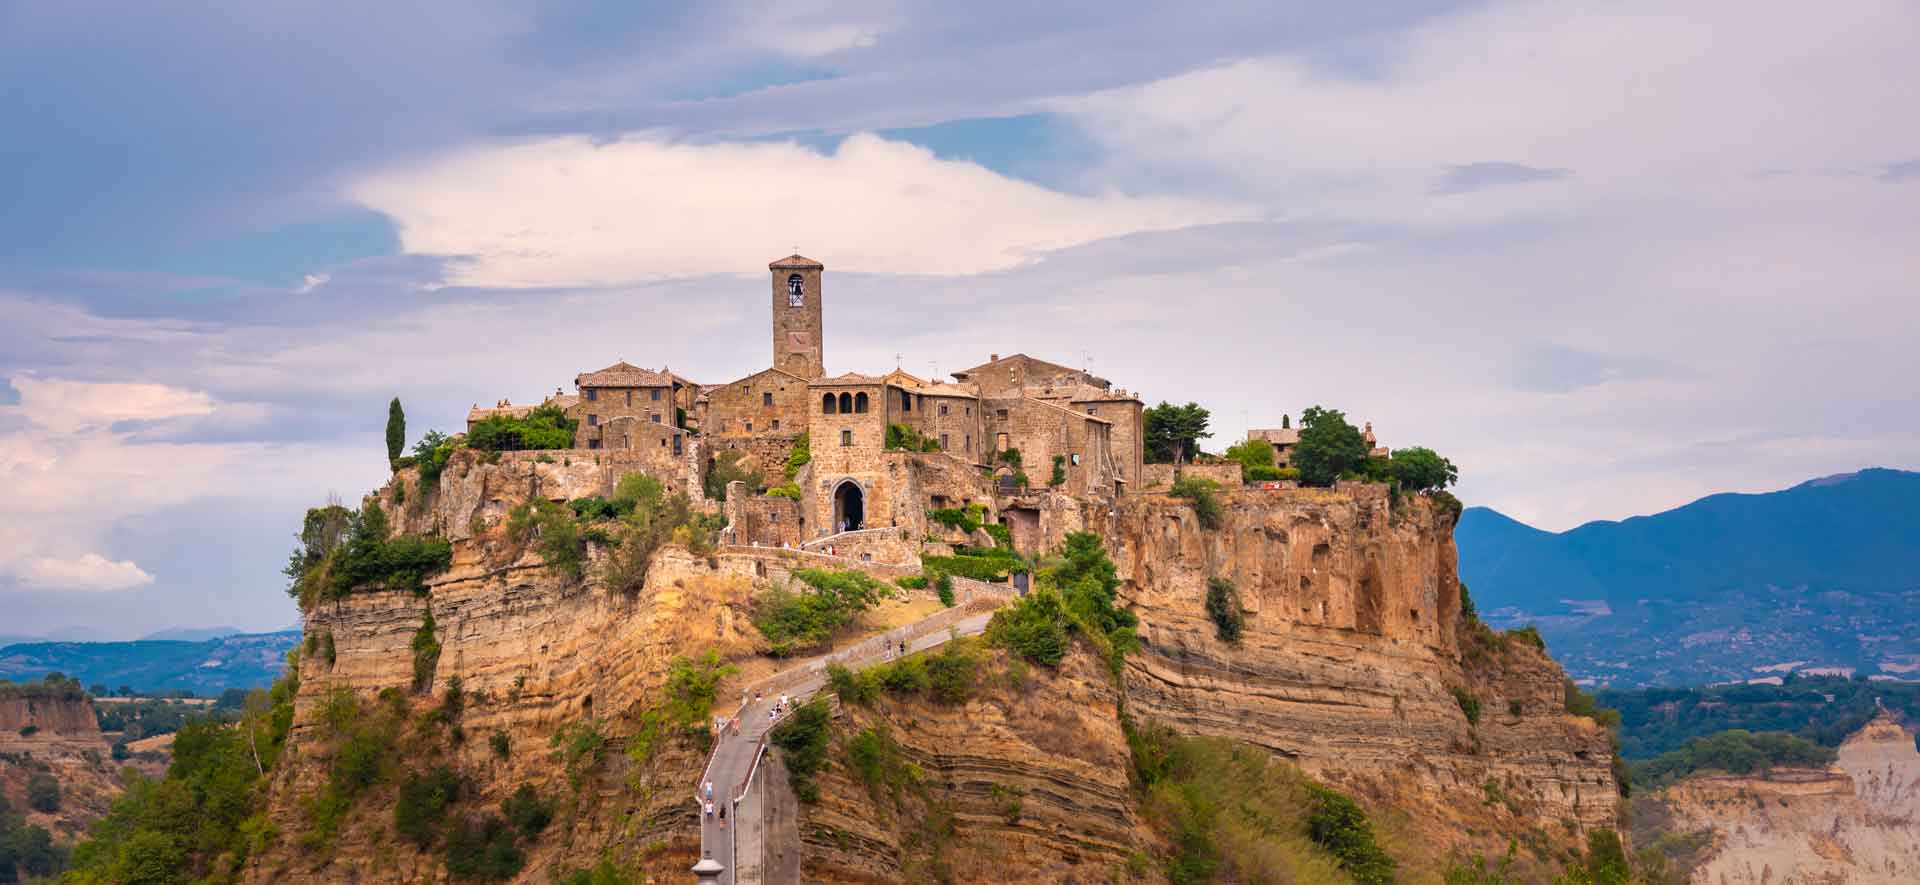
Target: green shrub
[(546, 427), (725, 468), (911, 582), (1059, 475), (900, 437), (1416, 469), (482, 848), (955, 518), (1469, 705), (1736, 752), (1035, 627), (1338, 825), (1002, 535), (790, 491), (1529, 635), (802, 454), (652, 517), (1329, 447), (578, 746), (554, 533), (794, 622), (598, 508), (1009, 457), (943, 585), (1579, 703), (691, 687), (426, 653), (803, 740), (952, 672), (342, 550), (1605, 862), (500, 743), (875, 759), (423, 802), (43, 792), (431, 454), (527, 811), (1200, 492), (1223, 606), (1261, 473)]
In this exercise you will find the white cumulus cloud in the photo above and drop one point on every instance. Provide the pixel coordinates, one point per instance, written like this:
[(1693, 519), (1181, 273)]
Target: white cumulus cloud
[(89, 571), (569, 211)]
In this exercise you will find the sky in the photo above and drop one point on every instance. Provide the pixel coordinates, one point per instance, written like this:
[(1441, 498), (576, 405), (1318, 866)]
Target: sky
[(1607, 258)]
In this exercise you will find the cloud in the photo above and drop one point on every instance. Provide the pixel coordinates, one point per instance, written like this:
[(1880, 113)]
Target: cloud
[(90, 571), (312, 281), (69, 406), (568, 211), (1471, 177)]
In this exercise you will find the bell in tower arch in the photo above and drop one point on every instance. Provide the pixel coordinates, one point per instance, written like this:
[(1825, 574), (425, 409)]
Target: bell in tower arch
[(796, 291)]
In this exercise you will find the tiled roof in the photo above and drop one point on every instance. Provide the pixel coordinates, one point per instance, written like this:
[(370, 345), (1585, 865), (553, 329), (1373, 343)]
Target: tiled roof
[(848, 378), (947, 390), (623, 374), (797, 262), (1096, 419)]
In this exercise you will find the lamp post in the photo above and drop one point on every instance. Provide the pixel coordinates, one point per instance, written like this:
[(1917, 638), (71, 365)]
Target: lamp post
[(707, 871)]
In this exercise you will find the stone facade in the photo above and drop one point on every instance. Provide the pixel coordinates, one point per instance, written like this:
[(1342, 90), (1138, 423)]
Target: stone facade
[(797, 327), (1041, 430), (618, 397)]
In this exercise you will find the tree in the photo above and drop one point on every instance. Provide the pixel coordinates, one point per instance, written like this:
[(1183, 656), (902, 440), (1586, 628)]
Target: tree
[(1328, 446), (1173, 433), (43, 793), (1422, 470), (396, 431)]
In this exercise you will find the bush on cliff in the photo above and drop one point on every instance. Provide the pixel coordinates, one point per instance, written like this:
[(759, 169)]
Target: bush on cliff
[(900, 437), (797, 621), (725, 468), (1735, 752), (800, 456), (1233, 813), (422, 804), (208, 814), (1201, 492), (803, 740), (431, 454), (553, 532), (1223, 606), (546, 427), (342, 550)]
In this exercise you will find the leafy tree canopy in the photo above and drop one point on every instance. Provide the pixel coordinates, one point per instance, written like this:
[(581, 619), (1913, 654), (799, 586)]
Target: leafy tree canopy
[(1173, 433), (1328, 447)]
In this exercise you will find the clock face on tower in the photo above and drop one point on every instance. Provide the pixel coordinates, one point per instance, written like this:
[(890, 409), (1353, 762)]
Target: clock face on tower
[(798, 341), (796, 291)]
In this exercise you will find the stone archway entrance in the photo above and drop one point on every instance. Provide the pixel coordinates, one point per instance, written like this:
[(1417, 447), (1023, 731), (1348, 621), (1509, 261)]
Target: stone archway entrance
[(849, 507)]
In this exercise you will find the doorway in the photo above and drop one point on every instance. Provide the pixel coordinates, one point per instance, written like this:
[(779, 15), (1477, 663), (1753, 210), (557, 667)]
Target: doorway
[(849, 507)]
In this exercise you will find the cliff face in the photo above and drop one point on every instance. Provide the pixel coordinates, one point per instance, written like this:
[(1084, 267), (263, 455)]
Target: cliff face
[(1350, 659), (1858, 821), (51, 718), (536, 653), (1027, 781)]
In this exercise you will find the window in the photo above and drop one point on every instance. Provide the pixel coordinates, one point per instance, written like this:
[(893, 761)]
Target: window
[(944, 444), (593, 444), (828, 405), (663, 442), (593, 420), (626, 442), (774, 517), (776, 423), (629, 397), (1092, 411), (656, 394), (655, 418), (676, 444), (906, 401), (1000, 414), (846, 437), (860, 402), (1076, 459), (749, 426), (592, 394), (969, 449), (969, 411), (943, 410), (846, 403), (766, 399)]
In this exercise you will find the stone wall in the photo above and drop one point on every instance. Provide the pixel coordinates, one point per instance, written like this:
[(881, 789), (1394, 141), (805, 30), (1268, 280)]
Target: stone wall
[(768, 402), (893, 546), (478, 489), (1041, 430), (766, 520), (959, 431), (644, 405), (1160, 476), (852, 449)]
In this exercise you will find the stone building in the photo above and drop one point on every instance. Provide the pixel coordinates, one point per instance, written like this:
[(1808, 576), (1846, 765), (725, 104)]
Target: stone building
[(1283, 439), (1051, 413)]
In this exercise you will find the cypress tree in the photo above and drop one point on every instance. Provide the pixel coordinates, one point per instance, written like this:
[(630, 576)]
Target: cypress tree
[(396, 431)]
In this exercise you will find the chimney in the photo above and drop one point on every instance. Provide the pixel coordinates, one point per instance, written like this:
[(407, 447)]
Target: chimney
[(993, 357)]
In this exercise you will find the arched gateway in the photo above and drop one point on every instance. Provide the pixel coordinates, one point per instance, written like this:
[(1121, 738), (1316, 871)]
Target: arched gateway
[(849, 507)]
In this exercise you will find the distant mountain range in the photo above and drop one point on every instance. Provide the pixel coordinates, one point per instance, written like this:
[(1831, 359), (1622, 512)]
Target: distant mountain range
[(1822, 575), (207, 666)]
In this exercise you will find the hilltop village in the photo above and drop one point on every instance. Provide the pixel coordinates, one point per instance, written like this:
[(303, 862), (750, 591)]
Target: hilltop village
[(1043, 444)]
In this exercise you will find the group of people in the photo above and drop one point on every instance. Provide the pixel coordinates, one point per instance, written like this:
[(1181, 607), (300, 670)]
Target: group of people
[(707, 787)]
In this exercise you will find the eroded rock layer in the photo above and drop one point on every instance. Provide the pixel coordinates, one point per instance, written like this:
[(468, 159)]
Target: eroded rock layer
[(1350, 660)]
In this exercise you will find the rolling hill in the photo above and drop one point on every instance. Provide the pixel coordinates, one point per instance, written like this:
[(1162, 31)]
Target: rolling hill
[(206, 667), (1823, 574)]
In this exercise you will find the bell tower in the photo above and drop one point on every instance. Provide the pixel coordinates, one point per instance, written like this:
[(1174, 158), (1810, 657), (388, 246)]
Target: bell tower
[(796, 316)]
